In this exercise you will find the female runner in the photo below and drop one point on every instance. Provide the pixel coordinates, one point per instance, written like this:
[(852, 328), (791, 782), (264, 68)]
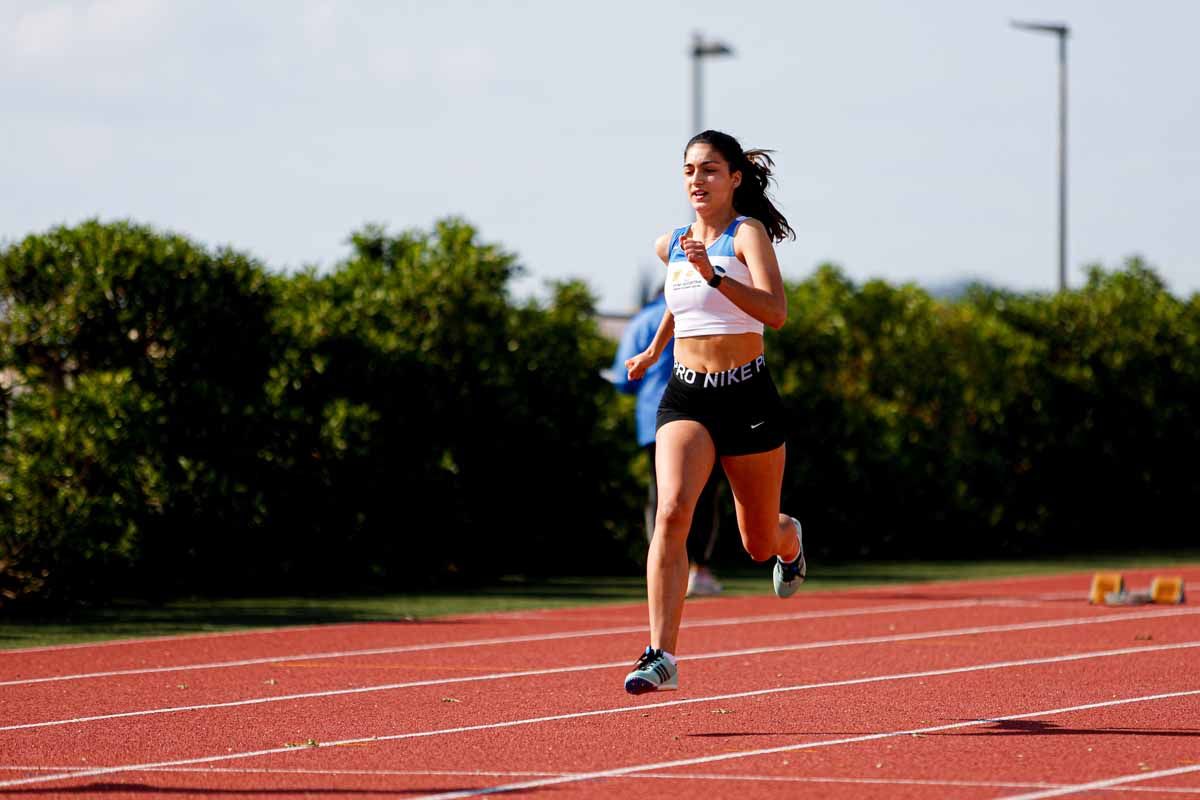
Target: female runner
[(722, 285)]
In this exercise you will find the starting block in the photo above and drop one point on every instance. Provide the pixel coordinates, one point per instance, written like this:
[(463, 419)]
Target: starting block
[(1109, 588), (1167, 589), (1104, 584)]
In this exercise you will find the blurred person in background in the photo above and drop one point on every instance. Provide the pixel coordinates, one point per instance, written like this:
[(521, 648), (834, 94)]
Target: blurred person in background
[(702, 535), (723, 284)]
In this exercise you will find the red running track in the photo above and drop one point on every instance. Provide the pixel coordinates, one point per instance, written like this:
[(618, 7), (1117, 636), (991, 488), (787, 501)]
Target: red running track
[(1011, 688)]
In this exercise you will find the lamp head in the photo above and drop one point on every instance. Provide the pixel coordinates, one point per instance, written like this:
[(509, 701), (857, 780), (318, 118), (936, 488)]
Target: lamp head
[(1057, 28), (703, 48)]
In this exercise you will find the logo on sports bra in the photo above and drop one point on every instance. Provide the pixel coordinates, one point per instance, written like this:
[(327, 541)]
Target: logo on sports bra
[(686, 277)]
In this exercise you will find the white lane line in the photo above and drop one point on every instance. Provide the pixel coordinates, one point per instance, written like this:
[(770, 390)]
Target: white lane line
[(533, 614), (671, 776), (533, 637), (878, 781), (750, 651), (1104, 784), (643, 707), (687, 762)]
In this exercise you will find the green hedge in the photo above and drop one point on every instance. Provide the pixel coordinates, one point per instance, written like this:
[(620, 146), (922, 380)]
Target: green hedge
[(135, 419), (180, 419), (999, 425), (430, 427)]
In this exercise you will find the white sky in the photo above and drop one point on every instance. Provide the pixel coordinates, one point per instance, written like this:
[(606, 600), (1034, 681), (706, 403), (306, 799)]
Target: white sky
[(915, 140)]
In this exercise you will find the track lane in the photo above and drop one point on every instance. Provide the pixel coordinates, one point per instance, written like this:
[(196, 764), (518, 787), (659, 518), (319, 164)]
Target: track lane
[(266, 684), (213, 650), (1128, 632), (696, 780), (426, 715), (1009, 746), (835, 750), (17, 671)]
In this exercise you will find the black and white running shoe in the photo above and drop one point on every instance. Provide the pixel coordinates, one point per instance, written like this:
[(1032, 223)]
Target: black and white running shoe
[(789, 575), (653, 672)]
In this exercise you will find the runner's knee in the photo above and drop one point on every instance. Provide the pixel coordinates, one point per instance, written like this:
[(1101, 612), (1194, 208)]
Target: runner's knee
[(673, 518), (758, 544)]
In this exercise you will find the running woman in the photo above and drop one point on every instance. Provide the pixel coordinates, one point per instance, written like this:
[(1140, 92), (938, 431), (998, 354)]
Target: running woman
[(722, 285)]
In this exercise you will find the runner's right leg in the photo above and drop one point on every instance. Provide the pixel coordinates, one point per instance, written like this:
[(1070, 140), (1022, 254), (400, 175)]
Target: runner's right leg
[(684, 458)]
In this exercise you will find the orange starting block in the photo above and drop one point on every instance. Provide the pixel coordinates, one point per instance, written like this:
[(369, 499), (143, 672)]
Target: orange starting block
[(1109, 588), (1104, 584), (1167, 589)]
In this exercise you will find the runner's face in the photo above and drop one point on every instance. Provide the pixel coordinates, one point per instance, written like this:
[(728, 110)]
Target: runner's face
[(707, 179)]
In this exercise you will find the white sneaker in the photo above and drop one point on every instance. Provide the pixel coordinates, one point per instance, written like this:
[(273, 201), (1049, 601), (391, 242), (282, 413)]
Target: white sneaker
[(653, 672), (701, 583), (788, 576)]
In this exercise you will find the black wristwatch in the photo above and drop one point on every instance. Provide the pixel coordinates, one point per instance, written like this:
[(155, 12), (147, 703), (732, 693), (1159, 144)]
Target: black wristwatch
[(715, 280)]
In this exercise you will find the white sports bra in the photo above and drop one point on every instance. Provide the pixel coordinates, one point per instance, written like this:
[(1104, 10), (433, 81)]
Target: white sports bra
[(700, 309)]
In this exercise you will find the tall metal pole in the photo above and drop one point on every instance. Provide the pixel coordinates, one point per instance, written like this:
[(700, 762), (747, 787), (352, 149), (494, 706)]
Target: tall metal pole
[(700, 49), (1062, 32), (1062, 160), (697, 82)]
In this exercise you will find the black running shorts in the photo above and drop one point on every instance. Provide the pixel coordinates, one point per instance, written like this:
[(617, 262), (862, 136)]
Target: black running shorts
[(740, 407)]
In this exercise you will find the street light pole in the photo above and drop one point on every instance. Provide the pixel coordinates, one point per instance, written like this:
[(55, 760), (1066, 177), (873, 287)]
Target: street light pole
[(1062, 32), (700, 49)]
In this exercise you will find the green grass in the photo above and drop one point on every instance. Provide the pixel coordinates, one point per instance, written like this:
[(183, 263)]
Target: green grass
[(132, 619)]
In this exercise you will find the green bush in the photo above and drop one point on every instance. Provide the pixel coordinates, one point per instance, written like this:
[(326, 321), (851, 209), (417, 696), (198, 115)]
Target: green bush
[(1117, 407), (139, 361), (1001, 425), (436, 428), (178, 419), (81, 488)]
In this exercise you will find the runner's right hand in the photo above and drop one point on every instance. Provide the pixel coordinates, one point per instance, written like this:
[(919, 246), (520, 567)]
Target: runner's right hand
[(638, 365)]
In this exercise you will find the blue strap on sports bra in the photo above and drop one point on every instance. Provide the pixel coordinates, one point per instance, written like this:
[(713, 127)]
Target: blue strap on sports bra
[(675, 236), (678, 233)]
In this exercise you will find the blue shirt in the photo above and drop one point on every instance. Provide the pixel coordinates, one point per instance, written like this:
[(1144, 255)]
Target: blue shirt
[(649, 389)]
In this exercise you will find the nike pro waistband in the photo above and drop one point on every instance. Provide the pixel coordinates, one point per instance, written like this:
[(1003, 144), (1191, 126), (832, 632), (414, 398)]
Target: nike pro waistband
[(720, 380)]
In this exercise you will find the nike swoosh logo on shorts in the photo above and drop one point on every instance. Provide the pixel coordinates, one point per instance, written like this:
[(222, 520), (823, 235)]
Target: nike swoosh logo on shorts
[(752, 427)]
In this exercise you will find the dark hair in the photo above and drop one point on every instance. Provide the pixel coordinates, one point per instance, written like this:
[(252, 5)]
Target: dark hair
[(749, 198)]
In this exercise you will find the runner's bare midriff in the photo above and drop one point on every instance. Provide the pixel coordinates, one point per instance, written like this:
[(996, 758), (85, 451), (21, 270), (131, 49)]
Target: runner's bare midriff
[(718, 352)]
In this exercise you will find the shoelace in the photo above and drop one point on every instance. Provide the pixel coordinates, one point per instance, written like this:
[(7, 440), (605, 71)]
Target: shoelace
[(791, 569), (646, 658)]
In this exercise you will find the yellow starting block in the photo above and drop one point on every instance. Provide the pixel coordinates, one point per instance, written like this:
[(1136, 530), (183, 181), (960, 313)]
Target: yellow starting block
[(1167, 589), (1108, 588), (1104, 584)]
